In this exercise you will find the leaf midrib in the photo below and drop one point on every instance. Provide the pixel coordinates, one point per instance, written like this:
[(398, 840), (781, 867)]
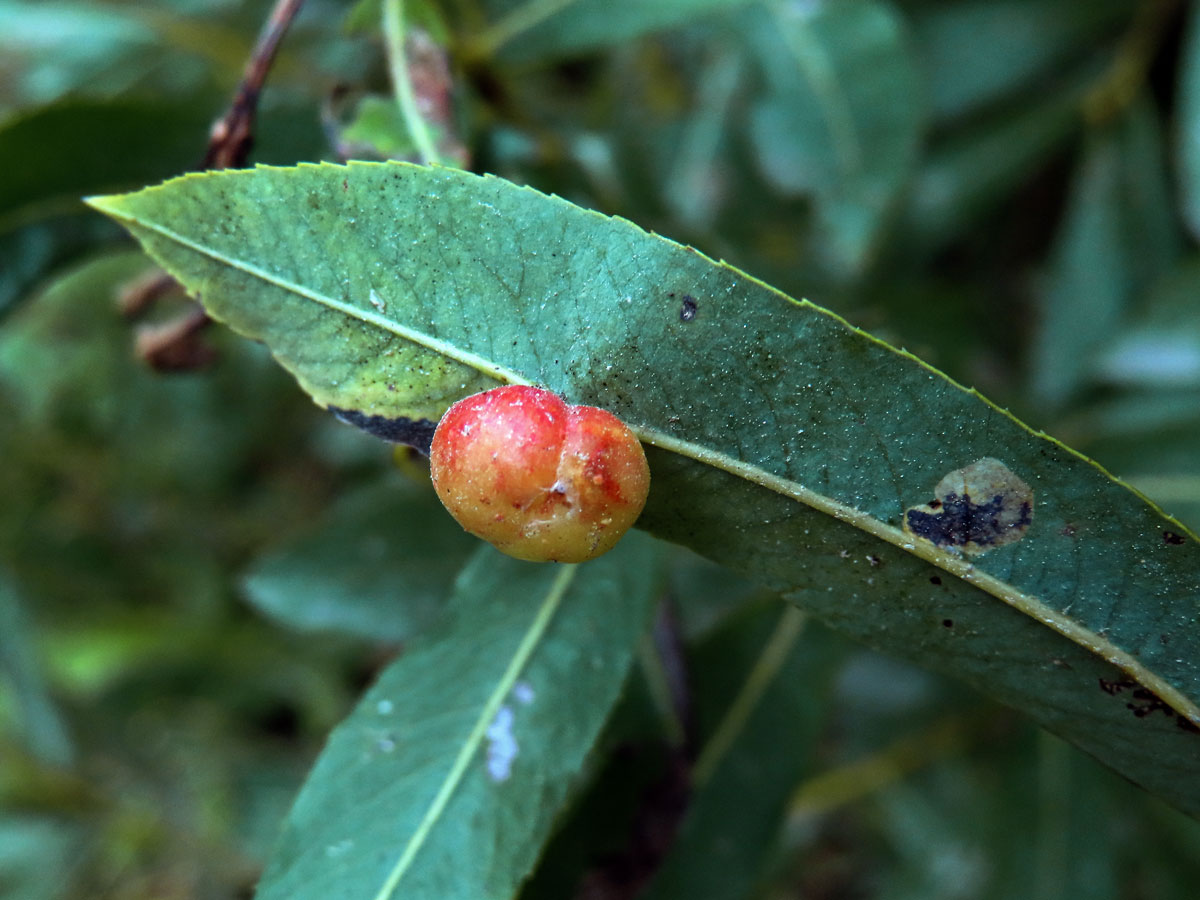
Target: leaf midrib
[(956, 565), (470, 748)]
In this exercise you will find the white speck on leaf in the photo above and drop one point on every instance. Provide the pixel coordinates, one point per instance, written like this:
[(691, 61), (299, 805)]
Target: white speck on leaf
[(524, 693), (502, 746), (376, 302), (384, 707)]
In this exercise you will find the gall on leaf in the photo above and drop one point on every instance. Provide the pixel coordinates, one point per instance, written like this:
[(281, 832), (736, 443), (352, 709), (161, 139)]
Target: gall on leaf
[(540, 479)]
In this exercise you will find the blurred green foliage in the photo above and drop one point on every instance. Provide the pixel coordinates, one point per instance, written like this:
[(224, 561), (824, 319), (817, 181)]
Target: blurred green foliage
[(1009, 188)]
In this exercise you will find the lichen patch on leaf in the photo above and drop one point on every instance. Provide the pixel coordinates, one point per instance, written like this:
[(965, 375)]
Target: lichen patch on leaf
[(975, 508), (502, 746)]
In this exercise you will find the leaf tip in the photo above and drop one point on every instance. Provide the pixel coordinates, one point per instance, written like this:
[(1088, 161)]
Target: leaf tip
[(109, 204)]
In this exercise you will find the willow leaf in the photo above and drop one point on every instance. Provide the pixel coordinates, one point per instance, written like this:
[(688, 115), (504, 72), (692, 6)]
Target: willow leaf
[(783, 442), (467, 746)]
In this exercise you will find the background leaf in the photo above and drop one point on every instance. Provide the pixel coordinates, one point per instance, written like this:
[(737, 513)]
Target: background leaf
[(842, 116), (967, 173), (1188, 135), (535, 29), (38, 719), (71, 148), (469, 744), (760, 741), (1118, 238), (1025, 40), (379, 565)]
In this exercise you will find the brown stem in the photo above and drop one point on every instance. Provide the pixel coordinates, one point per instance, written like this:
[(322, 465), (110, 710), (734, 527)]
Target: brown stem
[(139, 295), (233, 134), (177, 345)]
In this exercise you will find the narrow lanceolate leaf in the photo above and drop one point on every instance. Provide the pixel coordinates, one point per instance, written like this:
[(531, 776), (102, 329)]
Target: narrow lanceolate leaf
[(752, 761), (1118, 236), (42, 223), (379, 565), (841, 116), (1188, 150), (536, 29), (39, 724), (446, 780), (784, 443)]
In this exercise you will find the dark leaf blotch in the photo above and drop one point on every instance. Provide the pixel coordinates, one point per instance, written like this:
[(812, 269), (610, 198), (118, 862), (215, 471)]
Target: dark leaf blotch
[(960, 521), (415, 433)]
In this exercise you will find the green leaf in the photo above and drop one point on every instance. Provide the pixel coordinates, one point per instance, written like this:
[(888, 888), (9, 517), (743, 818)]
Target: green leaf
[(28, 254), (969, 171), (376, 130), (706, 593), (524, 30), (52, 49), (1146, 424), (842, 117), (754, 758), (446, 780), (783, 442), (1117, 237), (1029, 819), (51, 364), (38, 855), (1025, 40), (74, 147), (694, 184), (1188, 130), (41, 725), (1159, 345), (378, 566)]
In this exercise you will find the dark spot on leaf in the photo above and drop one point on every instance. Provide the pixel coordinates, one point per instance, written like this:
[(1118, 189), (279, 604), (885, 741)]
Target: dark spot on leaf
[(947, 623), (976, 508), (1172, 538), (875, 561), (935, 579), (1144, 702), (1112, 688), (415, 433), (687, 312), (1068, 530)]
